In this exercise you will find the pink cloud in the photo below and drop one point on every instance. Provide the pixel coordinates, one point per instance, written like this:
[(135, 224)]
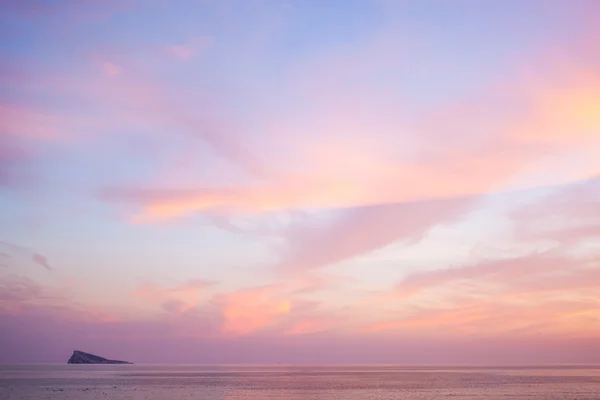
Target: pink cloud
[(18, 288), (23, 122), (160, 204), (523, 296), (281, 309), (509, 274), (310, 317), (567, 319), (111, 69), (306, 283), (247, 324), (140, 99), (314, 325), (19, 294), (312, 244), (360, 230), (184, 52), (249, 310), (25, 132), (180, 52), (568, 216)]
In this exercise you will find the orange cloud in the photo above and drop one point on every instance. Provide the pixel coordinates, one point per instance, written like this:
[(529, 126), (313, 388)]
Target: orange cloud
[(313, 317), (565, 112), (249, 310)]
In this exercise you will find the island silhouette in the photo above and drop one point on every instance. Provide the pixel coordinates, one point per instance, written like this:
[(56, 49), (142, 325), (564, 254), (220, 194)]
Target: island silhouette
[(80, 357)]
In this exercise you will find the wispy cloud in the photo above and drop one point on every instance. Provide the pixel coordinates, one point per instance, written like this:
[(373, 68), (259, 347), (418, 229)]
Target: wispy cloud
[(111, 69), (567, 216), (357, 231), (24, 122), (494, 319), (489, 297), (184, 52), (180, 52), (41, 260), (19, 295), (506, 274), (18, 250)]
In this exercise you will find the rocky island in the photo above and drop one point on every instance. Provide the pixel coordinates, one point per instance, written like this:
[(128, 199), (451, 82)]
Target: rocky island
[(79, 357)]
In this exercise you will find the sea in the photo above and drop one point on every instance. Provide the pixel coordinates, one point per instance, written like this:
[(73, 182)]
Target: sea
[(294, 382)]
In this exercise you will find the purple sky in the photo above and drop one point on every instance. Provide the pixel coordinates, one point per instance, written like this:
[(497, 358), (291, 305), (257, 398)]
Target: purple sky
[(300, 181)]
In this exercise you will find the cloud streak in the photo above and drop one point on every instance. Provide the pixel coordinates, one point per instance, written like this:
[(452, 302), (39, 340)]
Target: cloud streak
[(18, 250), (363, 229), (41, 260)]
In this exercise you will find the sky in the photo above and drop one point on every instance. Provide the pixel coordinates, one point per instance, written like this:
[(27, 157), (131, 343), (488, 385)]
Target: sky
[(286, 181)]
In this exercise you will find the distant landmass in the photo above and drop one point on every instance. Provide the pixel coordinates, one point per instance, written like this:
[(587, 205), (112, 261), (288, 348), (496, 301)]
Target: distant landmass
[(79, 357)]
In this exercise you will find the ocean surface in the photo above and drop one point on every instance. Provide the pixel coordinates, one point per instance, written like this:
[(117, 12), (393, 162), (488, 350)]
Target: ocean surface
[(233, 382)]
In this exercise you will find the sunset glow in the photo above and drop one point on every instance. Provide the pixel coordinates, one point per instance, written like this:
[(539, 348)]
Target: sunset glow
[(245, 181)]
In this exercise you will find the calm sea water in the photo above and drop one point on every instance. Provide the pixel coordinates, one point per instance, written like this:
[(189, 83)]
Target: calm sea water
[(233, 382)]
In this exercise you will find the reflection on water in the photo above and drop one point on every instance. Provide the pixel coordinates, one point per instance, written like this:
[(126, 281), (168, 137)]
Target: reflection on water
[(236, 382)]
